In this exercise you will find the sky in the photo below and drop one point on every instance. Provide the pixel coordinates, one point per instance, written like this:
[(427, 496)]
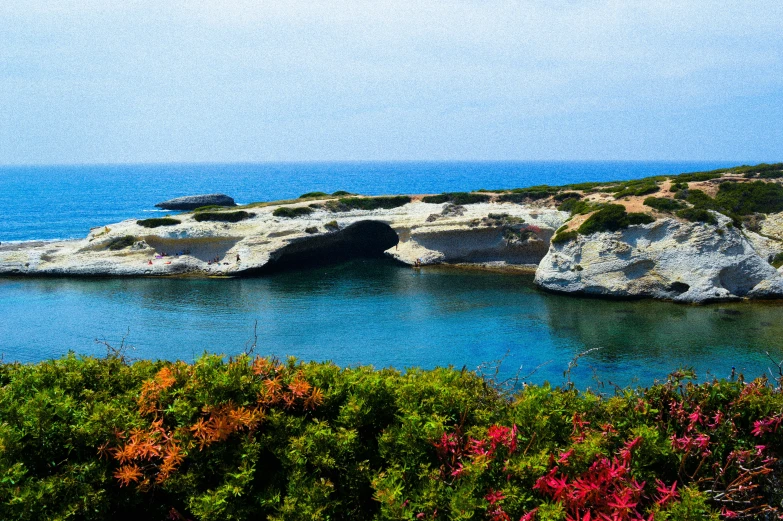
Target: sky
[(105, 81)]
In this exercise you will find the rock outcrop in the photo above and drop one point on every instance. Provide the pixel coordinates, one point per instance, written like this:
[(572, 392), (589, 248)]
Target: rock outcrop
[(264, 242), (667, 259), (191, 202)]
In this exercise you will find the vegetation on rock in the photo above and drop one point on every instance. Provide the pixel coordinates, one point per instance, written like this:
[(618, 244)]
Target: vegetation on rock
[(309, 195), (291, 212), (120, 243), (346, 204), (662, 204), (225, 217), (612, 217), (460, 198), (158, 221)]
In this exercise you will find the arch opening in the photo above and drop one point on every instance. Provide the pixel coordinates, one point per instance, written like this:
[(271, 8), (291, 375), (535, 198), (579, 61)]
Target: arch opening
[(362, 239)]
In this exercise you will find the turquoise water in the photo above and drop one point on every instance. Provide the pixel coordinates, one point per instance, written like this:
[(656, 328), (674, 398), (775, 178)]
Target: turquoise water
[(374, 312), (362, 312)]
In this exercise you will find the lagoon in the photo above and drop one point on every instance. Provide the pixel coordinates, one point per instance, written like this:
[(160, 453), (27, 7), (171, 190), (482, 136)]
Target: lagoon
[(376, 312)]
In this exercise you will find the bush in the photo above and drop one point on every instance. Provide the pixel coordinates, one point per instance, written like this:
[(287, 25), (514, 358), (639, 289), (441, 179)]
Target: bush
[(340, 193), (224, 217), (121, 243), (291, 212), (457, 198), (636, 189), (346, 204), (209, 207), (254, 438), (697, 215), (562, 196), (612, 217), (561, 237), (663, 204), (777, 260), (313, 194), (748, 198), (158, 221), (532, 193)]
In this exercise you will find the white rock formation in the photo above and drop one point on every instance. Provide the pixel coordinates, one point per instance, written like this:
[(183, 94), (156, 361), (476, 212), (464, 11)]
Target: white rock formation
[(211, 248), (668, 259)]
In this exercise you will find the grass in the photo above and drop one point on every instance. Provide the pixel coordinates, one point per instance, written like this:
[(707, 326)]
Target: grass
[(292, 212), (158, 221)]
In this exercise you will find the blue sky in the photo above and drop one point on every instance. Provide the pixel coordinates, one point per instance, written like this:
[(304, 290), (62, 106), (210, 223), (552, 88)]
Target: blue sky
[(96, 81)]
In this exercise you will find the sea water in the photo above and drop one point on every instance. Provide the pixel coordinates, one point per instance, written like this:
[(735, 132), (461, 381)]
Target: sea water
[(362, 312)]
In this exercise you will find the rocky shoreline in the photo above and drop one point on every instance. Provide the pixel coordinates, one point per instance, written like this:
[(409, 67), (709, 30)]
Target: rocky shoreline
[(611, 240)]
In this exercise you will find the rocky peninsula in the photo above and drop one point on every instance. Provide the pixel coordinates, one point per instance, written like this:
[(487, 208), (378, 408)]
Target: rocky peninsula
[(694, 237)]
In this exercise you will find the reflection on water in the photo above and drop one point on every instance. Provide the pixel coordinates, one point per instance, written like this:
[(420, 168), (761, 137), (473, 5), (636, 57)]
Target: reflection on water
[(373, 312)]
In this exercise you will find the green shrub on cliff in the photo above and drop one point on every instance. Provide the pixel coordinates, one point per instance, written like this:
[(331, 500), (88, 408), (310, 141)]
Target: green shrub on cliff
[(748, 198), (254, 438), (346, 204), (290, 212), (120, 243), (662, 204), (612, 217), (309, 195), (457, 198), (158, 221), (224, 217), (697, 215)]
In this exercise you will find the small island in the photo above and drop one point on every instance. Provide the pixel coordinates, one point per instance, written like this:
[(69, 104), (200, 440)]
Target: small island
[(695, 237)]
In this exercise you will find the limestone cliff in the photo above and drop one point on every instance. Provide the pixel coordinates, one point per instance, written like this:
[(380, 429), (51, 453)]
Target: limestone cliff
[(668, 259)]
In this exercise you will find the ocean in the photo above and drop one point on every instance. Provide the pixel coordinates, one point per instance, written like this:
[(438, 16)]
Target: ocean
[(363, 312)]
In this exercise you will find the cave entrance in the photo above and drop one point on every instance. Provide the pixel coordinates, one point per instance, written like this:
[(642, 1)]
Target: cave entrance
[(362, 239)]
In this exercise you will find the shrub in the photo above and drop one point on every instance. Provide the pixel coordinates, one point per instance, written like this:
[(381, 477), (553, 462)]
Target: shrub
[(209, 207), (225, 217), (367, 203), (748, 198), (561, 237), (313, 194), (636, 189), (254, 438), (562, 196), (663, 204), (612, 217), (158, 221), (311, 229), (777, 260), (332, 226), (532, 193), (460, 198), (340, 193), (291, 212), (697, 215), (120, 243)]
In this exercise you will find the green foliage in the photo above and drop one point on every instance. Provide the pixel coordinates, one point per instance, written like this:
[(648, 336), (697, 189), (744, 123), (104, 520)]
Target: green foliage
[(612, 217), (346, 204), (253, 438), (777, 260), (209, 207), (158, 221), (635, 188), (663, 204), (223, 217), (340, 193), (457, 198), (291, 212), (561, 237), (697, 215), (120, 243), (532, 193), (562, 196), (748, 198), (309, 195)]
